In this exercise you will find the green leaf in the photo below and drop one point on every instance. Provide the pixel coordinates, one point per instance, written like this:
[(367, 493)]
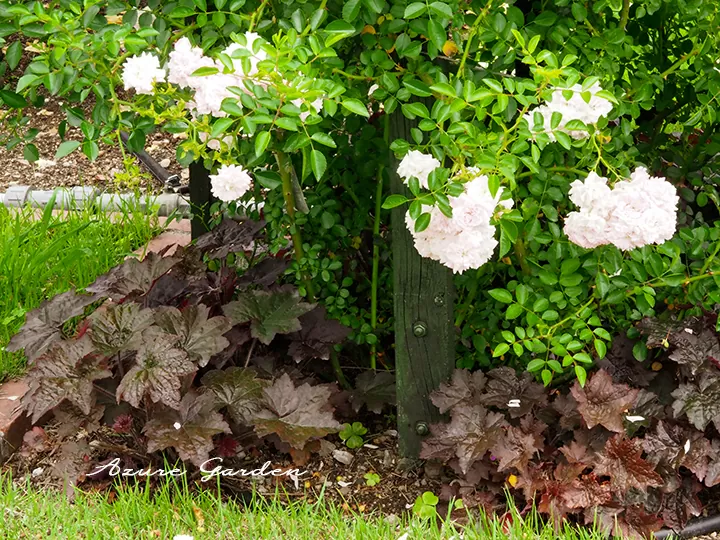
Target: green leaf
[(14, 54), (91, 150), (324, 139), (30, 152), (414, 10), (90, 14), (417, 88), (536, 364), (422, 222), (181, 12), (521, 293), (444, 88), (338, 30), (441, 9), (327, 220), (436, 33), (501, 295), (581, 374), (514, 311), (564, 139), (394, 201), (351, 10), (501, 349), (204, 71), (355, 106), (261, 142), (601, 348), (13, 100), (268, 179), (65, 148), (318, 163), (546, 376)]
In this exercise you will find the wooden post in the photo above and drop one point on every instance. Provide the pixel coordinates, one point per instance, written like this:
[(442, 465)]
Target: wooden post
[(201, 199), (424, 329)]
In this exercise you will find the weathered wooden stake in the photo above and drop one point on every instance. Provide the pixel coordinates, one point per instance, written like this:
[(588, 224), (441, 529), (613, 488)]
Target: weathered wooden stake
[(201, 199), (424, 330)]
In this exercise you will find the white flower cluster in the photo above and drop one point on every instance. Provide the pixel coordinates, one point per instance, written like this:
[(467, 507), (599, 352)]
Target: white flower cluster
[(467, 240), (140, 72), (419, 165), (230, 183), (634, 213), (575, 108)]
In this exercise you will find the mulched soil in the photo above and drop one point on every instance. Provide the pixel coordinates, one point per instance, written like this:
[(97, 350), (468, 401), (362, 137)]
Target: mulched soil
[(344, 484), (76, 169)]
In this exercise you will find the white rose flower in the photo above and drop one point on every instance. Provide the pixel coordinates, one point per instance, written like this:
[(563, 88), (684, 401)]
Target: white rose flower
[(230, 183)]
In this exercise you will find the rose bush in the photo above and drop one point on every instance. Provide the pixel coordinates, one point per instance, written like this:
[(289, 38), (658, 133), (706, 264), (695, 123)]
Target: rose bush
[(526, 117)]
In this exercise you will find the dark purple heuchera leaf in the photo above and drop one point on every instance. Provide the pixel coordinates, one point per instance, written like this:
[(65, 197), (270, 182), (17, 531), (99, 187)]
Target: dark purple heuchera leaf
[(296, 415), (567, 407), (682, 504), (374, 389), (264, 273), (317, 335), (622, 365), (577, 453), (586, 492), (239, 390), (43, 325), (603, 403), (132, 278), (712, 475), (631, 522), (199, 336), (622, 462), (65, 371), (70, 420), (229, 237), (464, 387), (471, 432), (518, 445), (189, 429), (119, 327), (504, 385), (269, 312), (692, 341), (675, 445), (699, 401), (159, 364), (72, 465)]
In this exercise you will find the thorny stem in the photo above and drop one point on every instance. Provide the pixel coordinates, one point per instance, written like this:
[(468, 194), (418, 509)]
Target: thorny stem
[(471, 35), (284, 165), (520, 254), (376, 246)]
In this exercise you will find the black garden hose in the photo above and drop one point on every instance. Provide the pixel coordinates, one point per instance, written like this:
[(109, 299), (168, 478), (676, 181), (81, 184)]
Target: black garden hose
[(171, 182), (696, 527)]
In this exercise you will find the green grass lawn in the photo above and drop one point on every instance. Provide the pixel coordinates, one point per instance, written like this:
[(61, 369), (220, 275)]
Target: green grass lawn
[(44, 254), (164, 512)]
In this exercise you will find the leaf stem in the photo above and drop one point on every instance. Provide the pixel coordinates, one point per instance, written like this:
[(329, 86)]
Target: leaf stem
[(625, 14), (338, 369), (519, 249), (284, 165), (249, 354)]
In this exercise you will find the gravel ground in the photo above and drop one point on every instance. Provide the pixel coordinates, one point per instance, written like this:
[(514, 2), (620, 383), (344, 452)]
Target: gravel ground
[(76, 169)]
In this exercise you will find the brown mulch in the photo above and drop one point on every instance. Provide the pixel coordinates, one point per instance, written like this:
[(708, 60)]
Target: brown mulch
[(343, 484), (76, 169)]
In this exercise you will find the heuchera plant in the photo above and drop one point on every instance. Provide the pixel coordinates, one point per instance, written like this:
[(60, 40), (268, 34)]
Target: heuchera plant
[(168, 351), (630, 451)]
